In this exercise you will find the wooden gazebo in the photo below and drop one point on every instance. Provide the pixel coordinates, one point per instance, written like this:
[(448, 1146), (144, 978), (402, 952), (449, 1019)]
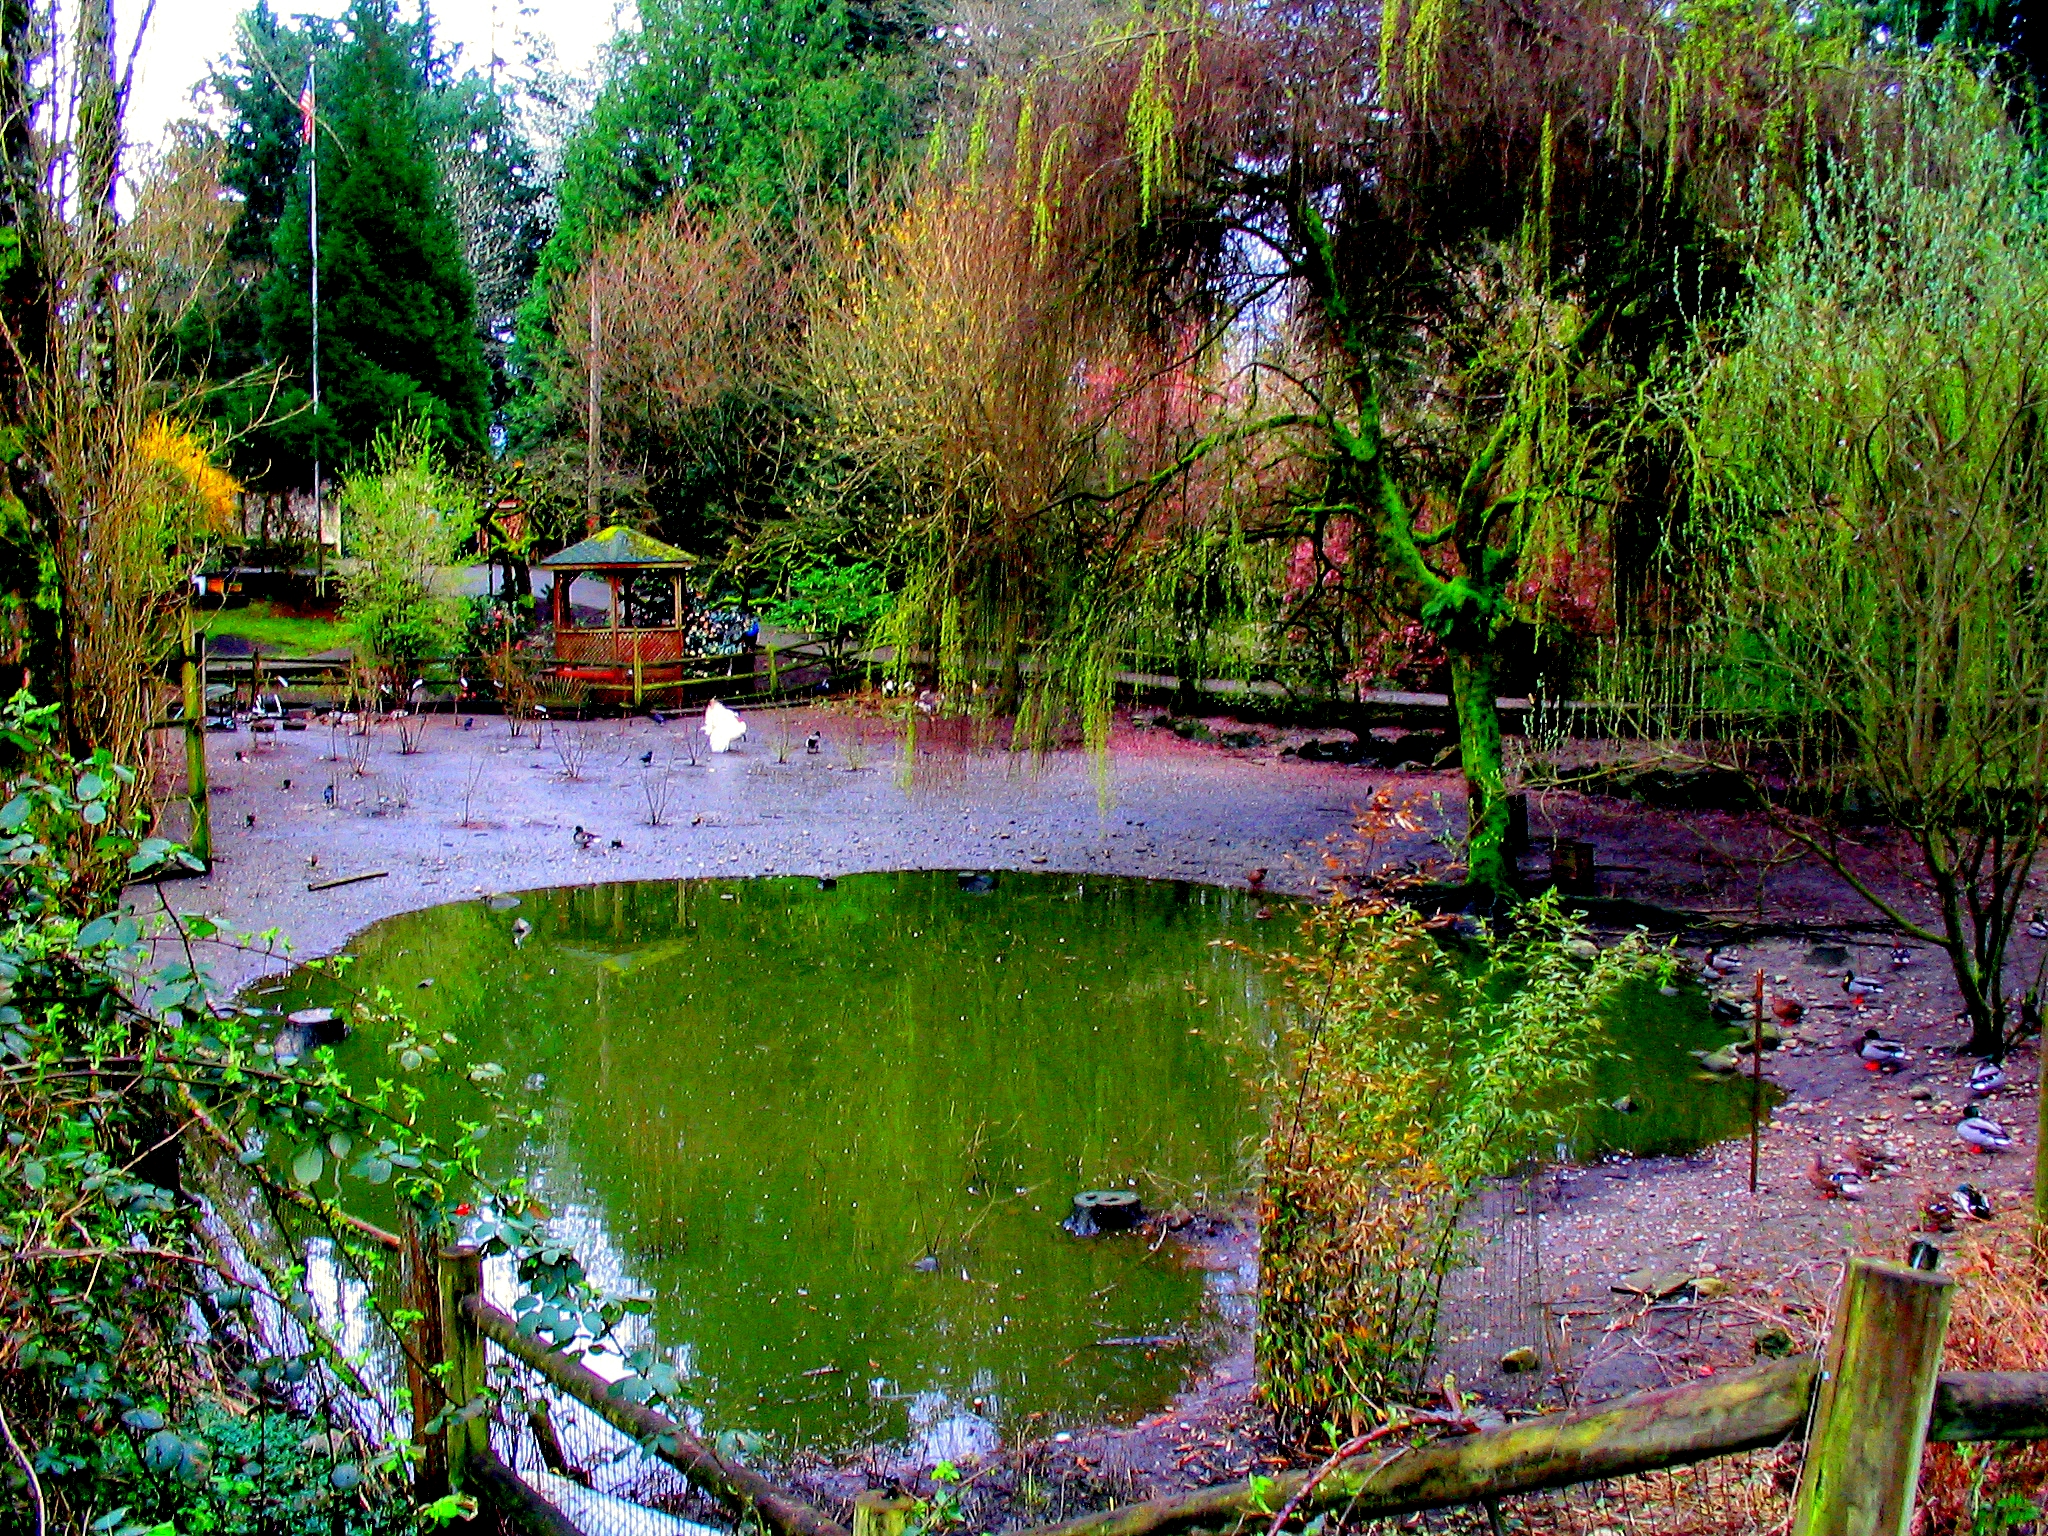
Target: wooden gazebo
[(642, 645)]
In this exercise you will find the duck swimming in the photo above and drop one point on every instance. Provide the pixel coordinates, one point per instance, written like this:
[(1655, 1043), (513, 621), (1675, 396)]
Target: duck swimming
[(1880, 1054), (1982, 1135)]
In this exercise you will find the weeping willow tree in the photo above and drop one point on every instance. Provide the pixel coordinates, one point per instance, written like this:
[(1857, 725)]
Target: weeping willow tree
[(1877, 450), (1018, 454), (1395, 285)]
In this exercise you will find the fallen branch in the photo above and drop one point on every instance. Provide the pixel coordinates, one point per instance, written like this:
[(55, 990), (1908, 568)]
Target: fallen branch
[(328, 885), (1741, 1411), (739, 1488)]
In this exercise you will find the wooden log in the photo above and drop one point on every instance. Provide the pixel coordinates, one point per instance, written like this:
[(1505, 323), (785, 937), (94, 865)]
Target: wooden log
[(1872, 1404), (498, 1486), (739, 1488), (468, 1426), (552, 1456), (877, 1514), (1989, 1405), (1741, 1411)]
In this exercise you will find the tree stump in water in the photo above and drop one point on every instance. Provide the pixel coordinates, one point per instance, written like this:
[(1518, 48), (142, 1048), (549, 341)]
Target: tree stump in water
[(1103, 1210)]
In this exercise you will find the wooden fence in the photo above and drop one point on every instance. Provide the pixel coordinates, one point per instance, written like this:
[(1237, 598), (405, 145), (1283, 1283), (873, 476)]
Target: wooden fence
[(1865, 1410)]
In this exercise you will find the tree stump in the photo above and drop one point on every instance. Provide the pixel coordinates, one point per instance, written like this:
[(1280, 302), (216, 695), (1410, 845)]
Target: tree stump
[(1571, 866), (1103, 1210)]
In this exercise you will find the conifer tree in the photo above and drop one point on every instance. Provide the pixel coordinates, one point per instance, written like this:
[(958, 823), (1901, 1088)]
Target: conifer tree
[(398, 332)]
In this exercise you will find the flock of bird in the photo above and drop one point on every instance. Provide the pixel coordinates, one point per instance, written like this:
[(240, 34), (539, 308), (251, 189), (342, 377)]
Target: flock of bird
[(1976, 1130)]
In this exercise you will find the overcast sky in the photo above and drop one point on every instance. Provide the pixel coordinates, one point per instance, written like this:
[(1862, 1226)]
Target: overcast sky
[(185, 35)]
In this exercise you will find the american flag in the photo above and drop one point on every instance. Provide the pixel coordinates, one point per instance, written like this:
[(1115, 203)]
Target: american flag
[(306, 104)]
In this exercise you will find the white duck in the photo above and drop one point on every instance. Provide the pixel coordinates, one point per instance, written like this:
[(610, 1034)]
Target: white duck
[(722, 726)]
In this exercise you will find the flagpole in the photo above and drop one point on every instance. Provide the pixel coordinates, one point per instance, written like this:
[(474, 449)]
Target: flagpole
[(309, 104)]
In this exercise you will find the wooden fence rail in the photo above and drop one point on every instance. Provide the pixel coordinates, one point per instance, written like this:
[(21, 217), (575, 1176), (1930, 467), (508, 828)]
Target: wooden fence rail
[(1866, 1409)]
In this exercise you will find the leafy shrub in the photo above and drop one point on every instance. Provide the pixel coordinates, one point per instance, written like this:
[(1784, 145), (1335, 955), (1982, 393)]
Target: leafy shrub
[(1412, 1072), (403, 519), (153, 1374)]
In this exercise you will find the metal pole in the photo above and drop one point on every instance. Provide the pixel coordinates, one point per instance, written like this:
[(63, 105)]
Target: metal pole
[(313, 143), (1756, 1083), (590, 463)]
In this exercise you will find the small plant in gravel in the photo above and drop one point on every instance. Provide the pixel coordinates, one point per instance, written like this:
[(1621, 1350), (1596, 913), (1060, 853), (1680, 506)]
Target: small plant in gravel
[(655, 786), (572, 747)]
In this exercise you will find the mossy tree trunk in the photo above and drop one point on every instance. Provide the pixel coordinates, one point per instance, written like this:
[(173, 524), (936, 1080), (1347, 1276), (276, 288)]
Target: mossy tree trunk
[(1474, 696)]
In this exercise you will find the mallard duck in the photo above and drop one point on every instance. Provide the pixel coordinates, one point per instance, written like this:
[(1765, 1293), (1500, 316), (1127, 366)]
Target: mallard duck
[(1901, 957), (1880, 1054), (1971, 1203), (1833, 1183), (812, 743), (583, 839), (2037, 925), (1721, 963), (1860, 988), (1936, 1213), (520, 929), (1790, 1009), (1982, 1135), (1987, 1077)]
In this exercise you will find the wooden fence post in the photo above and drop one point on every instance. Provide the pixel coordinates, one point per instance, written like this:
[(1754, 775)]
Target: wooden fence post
[(192, 679), (420, 1291), (462, 1355), (1870, 1410)]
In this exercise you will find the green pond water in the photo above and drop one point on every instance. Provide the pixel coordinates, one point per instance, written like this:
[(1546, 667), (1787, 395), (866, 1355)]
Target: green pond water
[(765, 1103)]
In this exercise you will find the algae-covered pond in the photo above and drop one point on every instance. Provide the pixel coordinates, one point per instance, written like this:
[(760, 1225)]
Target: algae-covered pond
[(831, 1131)]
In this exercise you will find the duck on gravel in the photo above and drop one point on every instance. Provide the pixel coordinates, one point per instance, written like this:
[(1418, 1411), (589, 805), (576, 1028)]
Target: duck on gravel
[(583, 839), (1980, 1134), (1790, 1009), (1860, 989), (1971, 1203), (1988, 1076), (1833, 1183), (1880, 1054), (2037, 925)]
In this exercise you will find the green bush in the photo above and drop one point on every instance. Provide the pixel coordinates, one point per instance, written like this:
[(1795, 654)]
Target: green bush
[(403, 520), (1412, 1071)]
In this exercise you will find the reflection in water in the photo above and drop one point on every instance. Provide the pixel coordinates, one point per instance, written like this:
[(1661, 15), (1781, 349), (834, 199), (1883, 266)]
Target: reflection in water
[(831, 1132)]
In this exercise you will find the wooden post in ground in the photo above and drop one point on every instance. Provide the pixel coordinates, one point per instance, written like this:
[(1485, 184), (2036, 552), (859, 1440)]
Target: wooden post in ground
[(876, 1514), (1870, 1410), (462, 1355), (2041, 1150), (192, 675), (419, 1284)]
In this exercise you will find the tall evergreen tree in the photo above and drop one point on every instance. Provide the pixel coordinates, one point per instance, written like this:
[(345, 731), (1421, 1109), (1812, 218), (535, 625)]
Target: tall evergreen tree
[(398, 334)]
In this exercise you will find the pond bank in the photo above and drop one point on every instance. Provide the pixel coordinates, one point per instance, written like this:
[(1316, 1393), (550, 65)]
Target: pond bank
[(477, 811)]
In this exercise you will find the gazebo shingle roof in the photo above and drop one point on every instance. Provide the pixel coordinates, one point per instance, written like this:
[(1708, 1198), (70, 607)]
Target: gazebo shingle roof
[(616, 547)]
